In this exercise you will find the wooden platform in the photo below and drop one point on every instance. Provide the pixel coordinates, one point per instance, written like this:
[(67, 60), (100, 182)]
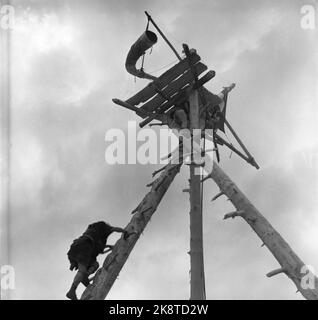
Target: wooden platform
[(163, 93)]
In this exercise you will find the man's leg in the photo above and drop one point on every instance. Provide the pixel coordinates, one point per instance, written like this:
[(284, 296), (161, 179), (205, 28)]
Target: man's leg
[(92, 269), (80, 275), (107, 249)]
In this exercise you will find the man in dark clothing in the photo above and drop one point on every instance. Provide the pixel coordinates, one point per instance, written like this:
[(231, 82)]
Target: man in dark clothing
[(84, 251)]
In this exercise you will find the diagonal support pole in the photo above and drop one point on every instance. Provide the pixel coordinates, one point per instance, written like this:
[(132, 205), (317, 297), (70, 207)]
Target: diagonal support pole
[(163, 36), (114, 262), (221, 141), (290, 263), (250, 157)]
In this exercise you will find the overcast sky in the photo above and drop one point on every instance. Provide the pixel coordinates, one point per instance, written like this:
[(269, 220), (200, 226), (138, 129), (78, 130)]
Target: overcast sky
[(68, 63)]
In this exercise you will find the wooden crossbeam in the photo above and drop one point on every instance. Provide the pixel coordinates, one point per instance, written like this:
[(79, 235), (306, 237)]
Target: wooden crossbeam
[(221, 141), (252, 161), (138, 111)]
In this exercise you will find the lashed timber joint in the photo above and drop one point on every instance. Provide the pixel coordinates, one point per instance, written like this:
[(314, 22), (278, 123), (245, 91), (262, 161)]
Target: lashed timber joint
[(108, 273), (290, 263)]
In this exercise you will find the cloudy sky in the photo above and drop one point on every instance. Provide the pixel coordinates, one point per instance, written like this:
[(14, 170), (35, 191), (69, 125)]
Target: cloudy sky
[(68, 63)]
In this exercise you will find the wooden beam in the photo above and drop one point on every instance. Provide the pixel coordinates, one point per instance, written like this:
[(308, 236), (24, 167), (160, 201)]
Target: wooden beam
[(221, 141), (252, 161), (162, 35), (139, 112)]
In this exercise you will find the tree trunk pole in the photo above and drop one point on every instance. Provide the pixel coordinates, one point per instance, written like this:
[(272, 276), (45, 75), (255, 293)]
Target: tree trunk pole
[(291, 264), (197, 282), (108, 273)]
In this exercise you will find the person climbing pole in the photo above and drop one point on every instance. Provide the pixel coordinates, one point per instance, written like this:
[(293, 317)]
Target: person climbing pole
[(84, 251)]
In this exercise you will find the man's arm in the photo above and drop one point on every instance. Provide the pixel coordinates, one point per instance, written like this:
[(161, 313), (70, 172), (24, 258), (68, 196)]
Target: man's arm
[(125, 232), (117, 229), (121, 230)]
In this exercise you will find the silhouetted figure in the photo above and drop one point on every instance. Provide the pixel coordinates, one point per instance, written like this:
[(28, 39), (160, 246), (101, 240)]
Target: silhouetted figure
[(84, 251)]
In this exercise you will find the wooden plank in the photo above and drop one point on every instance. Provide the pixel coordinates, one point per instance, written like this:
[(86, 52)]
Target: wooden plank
[(171, 74), (183, 94), (173, 87), (140, 112), (179, 97), (241, 144)]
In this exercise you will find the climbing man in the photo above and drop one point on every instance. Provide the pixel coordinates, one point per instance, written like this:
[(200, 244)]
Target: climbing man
[(84, 251)]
